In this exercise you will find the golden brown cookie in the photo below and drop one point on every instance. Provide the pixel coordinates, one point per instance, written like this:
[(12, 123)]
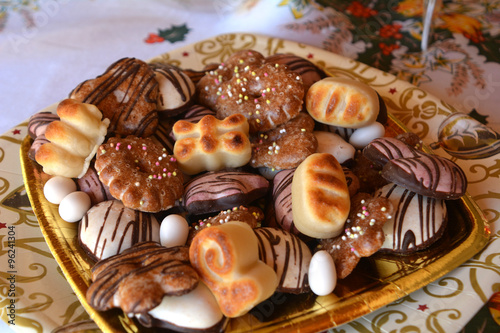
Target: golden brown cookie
[(286, 146), (363, 234), (342, 102), (212, 144), (252, 216), (320, 197), (73, 140), (140, 173), (227, 259), (126, 93), (268, 94)]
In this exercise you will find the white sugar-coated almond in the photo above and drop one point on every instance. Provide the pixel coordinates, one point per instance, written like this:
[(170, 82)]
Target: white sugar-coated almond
[(57, 187), (197, 309), (174, 231), (74, 206), (364, 135), (334, 144), (322, 273)]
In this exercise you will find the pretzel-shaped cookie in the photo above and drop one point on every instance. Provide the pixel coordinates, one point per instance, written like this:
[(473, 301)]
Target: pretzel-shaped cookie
[(212, 144), (363, 233)]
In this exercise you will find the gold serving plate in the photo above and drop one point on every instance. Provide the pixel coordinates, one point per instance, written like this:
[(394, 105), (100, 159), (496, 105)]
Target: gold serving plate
[(376, 281)]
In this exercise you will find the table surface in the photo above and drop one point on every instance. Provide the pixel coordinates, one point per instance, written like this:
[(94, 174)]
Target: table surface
[(48, 47)]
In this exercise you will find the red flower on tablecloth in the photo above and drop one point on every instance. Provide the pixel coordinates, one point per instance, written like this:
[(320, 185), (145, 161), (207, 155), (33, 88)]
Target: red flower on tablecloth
[(357, 9), (16, 131), (176, 33), (388, 48), (3, 225), (154, 38), (391, 31)]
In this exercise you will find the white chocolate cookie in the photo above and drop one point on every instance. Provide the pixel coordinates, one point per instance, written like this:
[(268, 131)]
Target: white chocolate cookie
[(288, 255), (342, 102), (320, 196), (212, 144), (227, 259), (417, 222), (109, 228)]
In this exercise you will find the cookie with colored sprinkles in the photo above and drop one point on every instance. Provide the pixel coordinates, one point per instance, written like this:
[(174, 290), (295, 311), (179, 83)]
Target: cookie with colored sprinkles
[(286, 146), (140, 173), (252, 216), (363, 233), (268, 94)]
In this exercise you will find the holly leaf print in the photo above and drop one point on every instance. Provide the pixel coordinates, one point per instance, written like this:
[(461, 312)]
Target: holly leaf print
[(174, 34)]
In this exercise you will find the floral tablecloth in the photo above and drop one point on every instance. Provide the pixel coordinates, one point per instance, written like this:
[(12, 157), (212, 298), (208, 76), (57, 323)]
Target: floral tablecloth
[(47, 47)]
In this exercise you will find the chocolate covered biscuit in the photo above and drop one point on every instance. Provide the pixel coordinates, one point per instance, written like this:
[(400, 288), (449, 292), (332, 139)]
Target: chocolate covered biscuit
[(217, 191)]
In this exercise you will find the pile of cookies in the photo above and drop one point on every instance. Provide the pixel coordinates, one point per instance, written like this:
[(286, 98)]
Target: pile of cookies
[(215, 189)]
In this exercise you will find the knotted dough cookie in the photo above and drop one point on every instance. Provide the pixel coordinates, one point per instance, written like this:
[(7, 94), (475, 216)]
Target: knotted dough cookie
[(212, 144), (363, 234), (267, 93), (73, 140)]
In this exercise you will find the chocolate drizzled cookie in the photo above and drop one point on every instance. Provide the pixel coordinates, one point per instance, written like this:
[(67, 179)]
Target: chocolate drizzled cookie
[(126, 93), (137, 279)]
